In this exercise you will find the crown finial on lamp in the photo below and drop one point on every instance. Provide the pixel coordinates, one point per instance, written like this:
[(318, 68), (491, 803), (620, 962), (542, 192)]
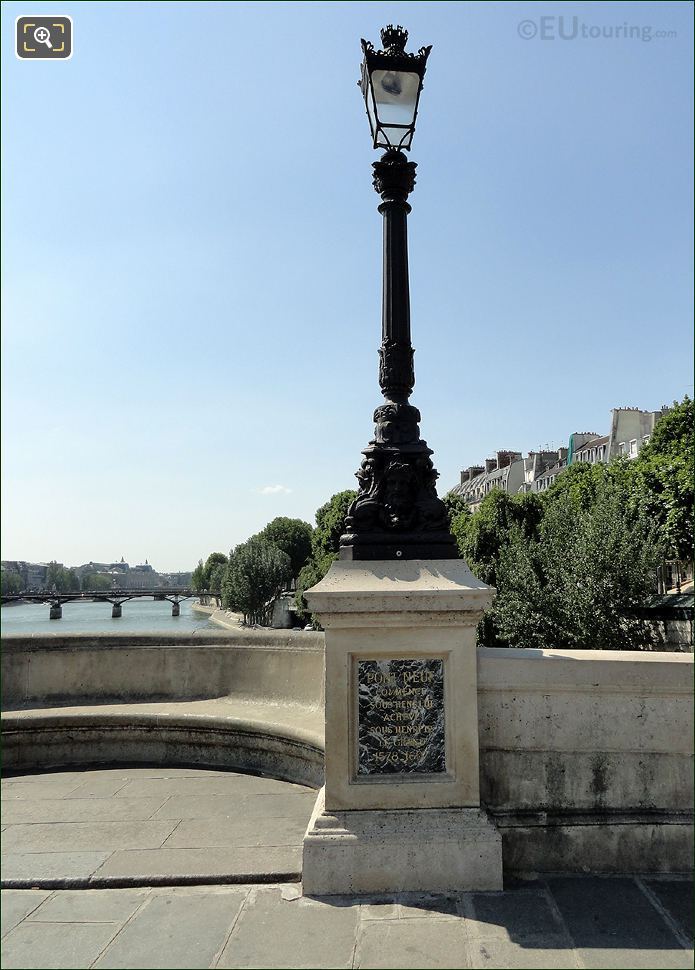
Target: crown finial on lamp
[(394, 39)]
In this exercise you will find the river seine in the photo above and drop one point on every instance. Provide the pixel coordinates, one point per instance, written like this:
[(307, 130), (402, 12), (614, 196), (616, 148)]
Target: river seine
[(139, 616)]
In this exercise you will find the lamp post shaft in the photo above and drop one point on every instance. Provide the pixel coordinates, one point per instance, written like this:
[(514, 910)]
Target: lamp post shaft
[(394, 180), (396, 375), (397, 513)]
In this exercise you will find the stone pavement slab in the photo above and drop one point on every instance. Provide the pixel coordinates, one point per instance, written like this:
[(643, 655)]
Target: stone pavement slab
[(269, 805), (280, 933), (125, 826), (72, 809), (207, 864), (88, 906), (526, 917), (223, 783), (99, 788), (274, 927), (427, 905), (44, 946), (31, 869), (12, 789), (413, 943), (501, 955), (175, 931), (17, 904), (607, 916), (192, 833), (676, 898), (59, 776), (86, 836)]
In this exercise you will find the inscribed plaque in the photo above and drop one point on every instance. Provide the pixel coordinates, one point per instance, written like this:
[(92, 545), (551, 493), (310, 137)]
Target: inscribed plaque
[(400, 717)]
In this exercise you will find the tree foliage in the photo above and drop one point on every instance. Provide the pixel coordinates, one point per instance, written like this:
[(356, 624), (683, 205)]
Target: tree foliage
[(96, 582), (207, 577), (62, 579), (571, 565), (455, 505), (197, 577), (217, 577), (293, 537), (256, 573), (11, 581), (663, 474), (325, 542), (576, 584), (330, 524), (482, 536), (214, 560)]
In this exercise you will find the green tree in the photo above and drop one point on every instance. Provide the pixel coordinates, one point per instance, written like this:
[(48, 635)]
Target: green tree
[(255, 575), (293, 537), (325, 542), (575, 585), (330, 523), (585, 484), (11, 581), (96, 582), (455, 505), (214, 559), (197, 577), (309, 576), (663, 479), (673, 434), (481, 537), (64, 580), (217, 577)]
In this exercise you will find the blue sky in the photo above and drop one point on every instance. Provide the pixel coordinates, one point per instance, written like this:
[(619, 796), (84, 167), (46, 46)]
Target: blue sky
[(192, 255)]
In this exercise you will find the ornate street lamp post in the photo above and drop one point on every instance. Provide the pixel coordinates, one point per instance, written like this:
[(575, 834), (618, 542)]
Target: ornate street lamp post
[(397, 513), (400, 809)]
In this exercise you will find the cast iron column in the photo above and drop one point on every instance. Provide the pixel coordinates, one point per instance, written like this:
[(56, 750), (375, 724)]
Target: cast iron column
[(397, 513)]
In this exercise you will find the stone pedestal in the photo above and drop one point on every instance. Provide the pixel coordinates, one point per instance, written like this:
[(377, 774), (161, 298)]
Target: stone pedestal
[(401, 806)]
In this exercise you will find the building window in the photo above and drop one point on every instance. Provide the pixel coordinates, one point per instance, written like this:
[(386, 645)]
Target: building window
[(633, 448)]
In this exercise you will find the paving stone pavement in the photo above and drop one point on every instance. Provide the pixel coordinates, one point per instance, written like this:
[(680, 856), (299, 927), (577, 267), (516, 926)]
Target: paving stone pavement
[(154, 826), (555, 922)]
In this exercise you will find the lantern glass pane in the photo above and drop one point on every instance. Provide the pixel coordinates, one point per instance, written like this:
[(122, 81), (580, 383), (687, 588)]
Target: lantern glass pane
[(395, 93), (371, 112)]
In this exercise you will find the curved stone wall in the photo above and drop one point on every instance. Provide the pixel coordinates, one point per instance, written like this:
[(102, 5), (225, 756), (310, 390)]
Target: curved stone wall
[(585, 756), (277, 667), (250, 701)]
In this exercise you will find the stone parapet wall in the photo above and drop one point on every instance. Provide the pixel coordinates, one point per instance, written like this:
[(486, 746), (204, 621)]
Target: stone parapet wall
[(585, 730), (585, 756), (268, 665)]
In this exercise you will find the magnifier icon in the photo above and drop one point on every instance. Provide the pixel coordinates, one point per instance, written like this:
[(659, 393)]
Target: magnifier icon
[(42, 35)]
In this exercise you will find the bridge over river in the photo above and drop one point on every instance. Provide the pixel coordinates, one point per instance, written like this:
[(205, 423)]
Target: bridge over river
[(117, 597)]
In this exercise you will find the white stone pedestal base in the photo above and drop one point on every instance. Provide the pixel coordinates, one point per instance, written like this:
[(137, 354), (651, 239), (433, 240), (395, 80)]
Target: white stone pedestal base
[(386, 851)]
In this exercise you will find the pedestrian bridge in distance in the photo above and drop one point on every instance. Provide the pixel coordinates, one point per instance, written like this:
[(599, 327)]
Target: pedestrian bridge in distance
[(117, 597)]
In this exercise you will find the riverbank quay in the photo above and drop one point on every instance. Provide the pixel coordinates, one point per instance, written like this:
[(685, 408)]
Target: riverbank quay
[(226, 619)]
